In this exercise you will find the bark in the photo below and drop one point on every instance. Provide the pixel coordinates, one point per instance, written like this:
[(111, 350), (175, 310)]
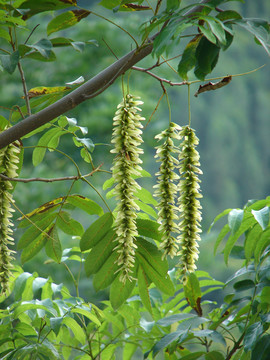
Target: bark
[(90, 89)]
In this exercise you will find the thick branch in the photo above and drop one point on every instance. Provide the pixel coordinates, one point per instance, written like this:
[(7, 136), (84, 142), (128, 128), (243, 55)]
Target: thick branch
[(90, 89)]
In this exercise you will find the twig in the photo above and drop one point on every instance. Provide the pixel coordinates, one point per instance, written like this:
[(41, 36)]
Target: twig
[(75, 177), (26, 96), (162, 80), (28, 37)]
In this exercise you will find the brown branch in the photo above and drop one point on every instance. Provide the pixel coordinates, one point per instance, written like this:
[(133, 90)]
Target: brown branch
[(91, 88), (75, 177), (162, 80)]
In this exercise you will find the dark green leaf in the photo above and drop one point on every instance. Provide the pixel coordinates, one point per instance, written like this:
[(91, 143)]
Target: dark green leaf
[(96, 231), (149, 228), (68, 225), (243, 285), (169, 320), (87, 205), (100, 253), (207, 55), (53, 246), (119, 292), (214, 355), (168, 339), (32, 7), (188, 60), (193, 356), (143, 289), (228, 15), (193, 292), (107, 273), (262, 348), (261, 244), (10, 62), (251, 240), (252, 336)]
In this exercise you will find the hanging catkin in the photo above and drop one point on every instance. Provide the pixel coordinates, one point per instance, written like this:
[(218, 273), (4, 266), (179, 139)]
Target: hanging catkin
[(8, 166), (126, 139), (189, 205), (166, 189)]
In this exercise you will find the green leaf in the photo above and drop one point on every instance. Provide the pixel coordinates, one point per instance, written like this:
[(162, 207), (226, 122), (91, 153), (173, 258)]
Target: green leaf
[(35, 230), (152, 255), (243, 271), (120, 292), (107, 273), (25, 329), (216, 27), (100, 253), (40, 150), (32, 249), (75, 328), (68, 225), (228, 15), (252, 335), (147, 209), (193, 356), (207, 55), (214, 355), (145, 196), (143, 289), (53, 246), (261, 244), (244, 285), (10, 62), (262, 216), (32, 7), (168, 339), (251, 241), (262, 348), (148, 228), (221, 236), (193, 292), (87, 313), (247, 222), (218, 217), (96, 231), (235, 218), (162, 282), (87, 205), (66, 20), (188, 60), (20, 283), (169, 320), (55, 324)]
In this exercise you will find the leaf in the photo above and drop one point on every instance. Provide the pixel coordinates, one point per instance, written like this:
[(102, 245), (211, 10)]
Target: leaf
[(247, 222), (87, 205), (145, 196), (32, 7), (148, 228), (96, 231), (88, 143), (35, 230), (87, 313), (143, 289), (262, 348), (53, 246), (68, 225), (44, 90), (207, 55), (216, 27), (10, 62), (193, 356), (168, 339), (188, 60), (221, 236), (147, 209), (162, 282), (75, 328), (169, 320), (252, 335), (20, 283), (235, 218), (43, 143), (218, 217), (244, 285), (243, 271), (261, 244), (32, 249), (100, 253), (251, 240), (214, 355), (107, 273), (119, 292), (262, 216), (152, 255), (193, 292), (66, 20)]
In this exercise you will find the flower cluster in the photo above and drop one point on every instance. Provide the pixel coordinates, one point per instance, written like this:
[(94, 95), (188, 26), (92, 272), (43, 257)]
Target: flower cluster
[(189, 205), (166, 189), (126, 138), (8, 166)]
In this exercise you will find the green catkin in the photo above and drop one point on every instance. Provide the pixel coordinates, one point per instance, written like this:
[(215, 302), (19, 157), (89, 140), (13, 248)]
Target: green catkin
[(8, 166), (126, 139), (165, 189), (189, 204)]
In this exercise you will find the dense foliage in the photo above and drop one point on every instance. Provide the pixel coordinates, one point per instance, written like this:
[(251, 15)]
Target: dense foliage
[(138, 245)]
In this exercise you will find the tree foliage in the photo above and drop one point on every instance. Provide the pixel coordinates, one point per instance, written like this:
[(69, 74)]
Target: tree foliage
[(157, 307)]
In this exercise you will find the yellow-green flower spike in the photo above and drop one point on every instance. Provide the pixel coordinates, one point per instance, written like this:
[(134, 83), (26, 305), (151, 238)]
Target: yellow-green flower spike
[(8, 166), (189, 205), (126, 139), (166, 190)]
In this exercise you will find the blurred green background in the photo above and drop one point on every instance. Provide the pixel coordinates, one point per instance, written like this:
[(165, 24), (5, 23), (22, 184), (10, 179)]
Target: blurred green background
[(232, 124)]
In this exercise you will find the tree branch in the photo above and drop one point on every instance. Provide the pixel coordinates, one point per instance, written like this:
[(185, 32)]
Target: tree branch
[(90, 89)]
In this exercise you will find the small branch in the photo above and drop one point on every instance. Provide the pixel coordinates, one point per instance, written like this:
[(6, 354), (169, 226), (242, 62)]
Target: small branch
[(162, 80), (77, 177), (24, 89), (236, 346), (31, 34)]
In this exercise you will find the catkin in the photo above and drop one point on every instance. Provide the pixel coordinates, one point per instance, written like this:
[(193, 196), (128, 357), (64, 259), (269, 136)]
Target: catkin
[(166, 189), (8, 166), (126, 139), (188, 202)]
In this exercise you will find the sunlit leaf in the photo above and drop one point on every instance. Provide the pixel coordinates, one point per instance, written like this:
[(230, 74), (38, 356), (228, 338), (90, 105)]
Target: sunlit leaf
[(66, 20)]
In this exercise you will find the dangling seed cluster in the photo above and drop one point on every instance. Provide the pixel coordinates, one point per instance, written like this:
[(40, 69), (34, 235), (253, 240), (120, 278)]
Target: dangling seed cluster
[(126, 139), (166, 189), (8, 166), (189, 205)]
